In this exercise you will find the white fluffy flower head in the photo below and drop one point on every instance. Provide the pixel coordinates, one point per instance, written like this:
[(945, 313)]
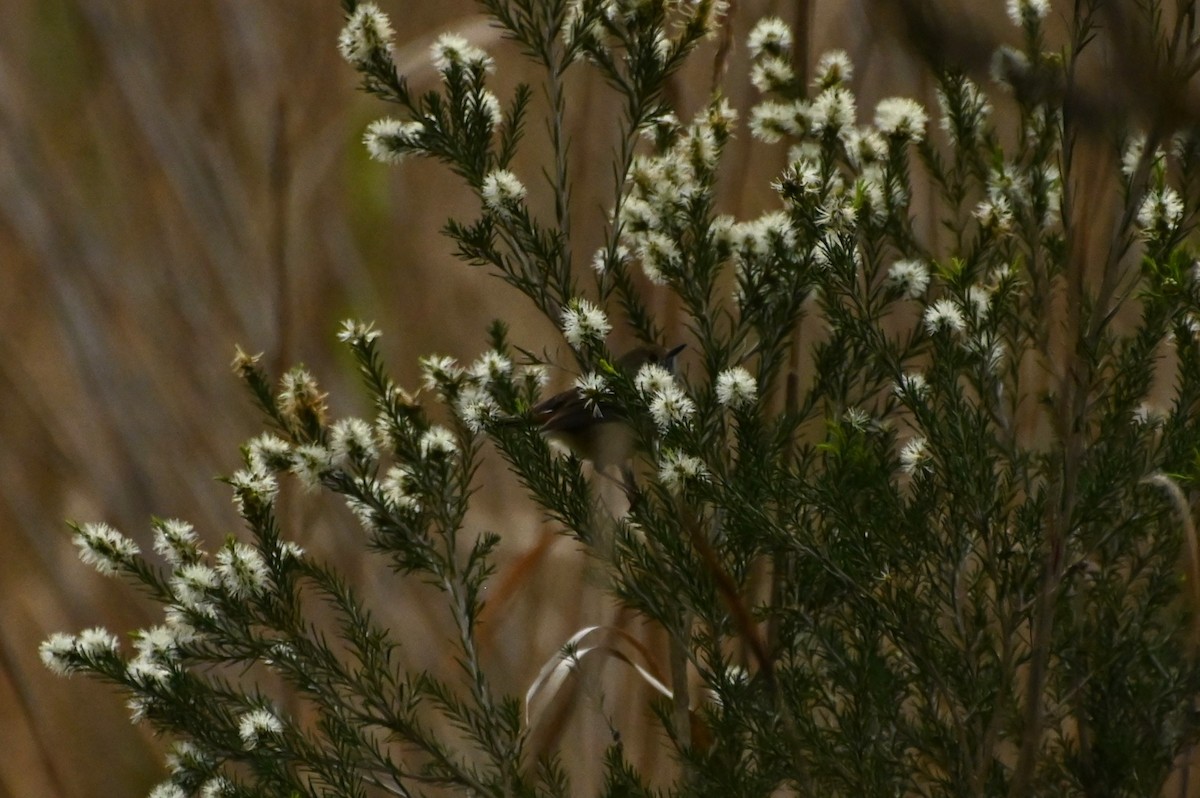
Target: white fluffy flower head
[(1022, 11), (389, 140), (104, 548), (583, 322), (671, 407), (736, 388), (368, 33), (502, 191), (450, 49), (901, 117), (771, 36), (258, 725), (675, 469), (943, 315)]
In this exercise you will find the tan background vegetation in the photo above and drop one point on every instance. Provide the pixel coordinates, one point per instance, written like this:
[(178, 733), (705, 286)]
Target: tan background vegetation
[(178, 177)]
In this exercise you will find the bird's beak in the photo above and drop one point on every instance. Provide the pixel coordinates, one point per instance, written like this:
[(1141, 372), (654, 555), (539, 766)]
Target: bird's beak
[(669, 360)]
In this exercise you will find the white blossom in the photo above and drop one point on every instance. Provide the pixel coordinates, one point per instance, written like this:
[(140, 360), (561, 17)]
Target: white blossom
[(832, 111), (832, 68), (146, 674), (913, 455), (97, 643), (175, 541), (157, 643), (1019, 11), (912, 384), (995, 214), (437, 442), (583, 322), (652, 378), (399, 487), (593, 388), (490, 367), (256, 725), (312, 463), (670, 407), (676, 468), (243, 570), (57, 653), (771, 74), (901, 116), (351, 440), (660, 256), (1160, 208), (216, 787), (390, 140), (367, 33), (440, 373), (736, 388), (489, 107), (104, 548), (910, 276), (167, 789), (502, 190), (944, 314), (772, 36), (193, 587), (253, 488), (268, 452), (357, 332), (476, 407), (452, 49)]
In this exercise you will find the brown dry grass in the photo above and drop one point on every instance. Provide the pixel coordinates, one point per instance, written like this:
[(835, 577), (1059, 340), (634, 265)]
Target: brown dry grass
[(176, 178)]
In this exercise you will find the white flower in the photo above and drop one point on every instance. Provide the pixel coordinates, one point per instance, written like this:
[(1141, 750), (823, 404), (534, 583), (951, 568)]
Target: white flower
[(652, 378), (398, 488), (193, 586), (502, 190), (242, 570), (910, 276), (771, 35), (1160, 208), (660, 257), (104, 548), (676, 468), (175, 541), (312, 463), (1019, 11), (600, 261), (771, 74), (833, 67), (185, 757), (269, 452), (58, 654), (290, 550), (390, 140), (912, 384), (978, 301), (914, 455), (944, 315), (157, 644), (96, 643), (437, 442), (358, 333), (583, 323), (351, 440), (832, 111), (256, 725), (671, 406), (593, 387), (901, 116), (736, 388), (770, 121), (452, 49), (440, 373), (168, 789), (216, 787), (491, 367), (489, 107), (475, 406), (253, 488), (367, 33), (535, 375), (995, 214), (146, 674)]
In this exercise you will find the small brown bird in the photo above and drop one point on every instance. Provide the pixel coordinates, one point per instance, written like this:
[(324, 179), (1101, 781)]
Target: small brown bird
[(597, 431)]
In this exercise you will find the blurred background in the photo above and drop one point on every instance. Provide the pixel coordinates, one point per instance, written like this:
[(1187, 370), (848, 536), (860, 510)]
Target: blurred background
[(177, 178)]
